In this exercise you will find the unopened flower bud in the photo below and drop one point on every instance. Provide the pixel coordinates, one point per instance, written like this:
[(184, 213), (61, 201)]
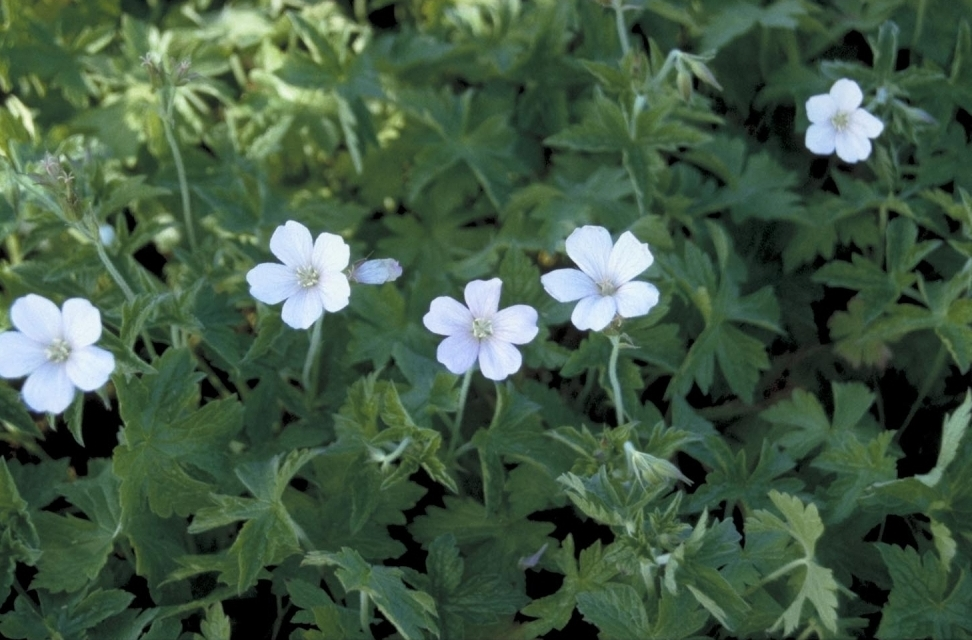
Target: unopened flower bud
[(376, 271)]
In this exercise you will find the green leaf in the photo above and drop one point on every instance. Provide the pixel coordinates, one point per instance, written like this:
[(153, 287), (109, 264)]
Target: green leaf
[(411, 611), (486, 148), (269, 534), (216, 626), (19, 541), (804, 526), (167, 449), (76, 550), (13, 413), (617, 610), (924, 600), (953, 430)]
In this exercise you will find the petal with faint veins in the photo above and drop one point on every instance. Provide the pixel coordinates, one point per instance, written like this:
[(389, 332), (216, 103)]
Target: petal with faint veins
[(594, 312), (629, 257), (483, 296), (590, 248), (271, 282), (852, 148), (498, 359), (864, 124), (37, 318), (331, 252), (820, 139), (302, 309), (567, 285), (516, 324), (19, 355), (334, 290), (89, 367), (48, 389), (847, 95), (82, 322), (448, 317), (636, 298), (292, 244), (821, 108), (458, 352)]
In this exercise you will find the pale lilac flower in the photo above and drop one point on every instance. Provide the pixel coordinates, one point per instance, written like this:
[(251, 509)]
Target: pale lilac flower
[(55, 349), (839, 123), (311, 278), (604, 284), (480, 331), (375, 271)]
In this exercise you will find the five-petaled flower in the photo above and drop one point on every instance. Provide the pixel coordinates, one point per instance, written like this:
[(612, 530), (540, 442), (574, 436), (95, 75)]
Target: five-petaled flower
[(480, 330), (311, 278), (604, 284), (55, 349), (839, 123)]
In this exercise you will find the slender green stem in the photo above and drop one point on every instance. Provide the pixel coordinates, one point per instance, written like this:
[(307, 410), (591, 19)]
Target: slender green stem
[(460, 411), (113, 271), (613, 377), (364, 612), (621, 26), (167, 121), (937, 365), (308, 377)]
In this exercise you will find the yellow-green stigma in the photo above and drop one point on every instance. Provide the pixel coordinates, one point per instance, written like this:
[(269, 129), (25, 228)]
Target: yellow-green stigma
[(841, 120), (58, 351), (482, 328), (307, 277)]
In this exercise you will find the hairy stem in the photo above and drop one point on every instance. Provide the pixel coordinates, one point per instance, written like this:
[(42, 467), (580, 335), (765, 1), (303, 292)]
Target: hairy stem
[(613, 377), (308, 377)]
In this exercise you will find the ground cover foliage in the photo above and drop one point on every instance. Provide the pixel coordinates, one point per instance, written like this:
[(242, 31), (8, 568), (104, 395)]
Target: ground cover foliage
[(777, 449)]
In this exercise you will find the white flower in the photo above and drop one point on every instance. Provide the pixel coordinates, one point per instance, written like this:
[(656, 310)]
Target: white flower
[(603, 285), (479, 331), (54, 349), (839, 123), (310, 278), (375, 271)]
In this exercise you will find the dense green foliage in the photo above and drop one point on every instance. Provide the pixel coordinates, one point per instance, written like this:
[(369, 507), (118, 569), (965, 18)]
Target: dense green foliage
[(791, 458)]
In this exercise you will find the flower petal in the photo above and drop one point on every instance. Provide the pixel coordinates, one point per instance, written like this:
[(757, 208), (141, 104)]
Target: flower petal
[(636, 298), (49, 389), (516, 324), (19, 355), (590, 247), (847, 95), (89, 367), (594, 312), (37, 318), (864, 124), (567, 285), (820, 139), (271, 282), (498, 359), (629, 257), (291, 243), (821, 108), (851, 147), (331, 252), (483, 296), (458, 352), (448, 317), (334, 290), (82, 322), (303, 308)]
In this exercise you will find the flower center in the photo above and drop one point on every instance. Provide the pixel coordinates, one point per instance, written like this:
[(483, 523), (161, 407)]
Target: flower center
[(482, 328), (606, 288), (58, 351), (307, 277), (841, 120)]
